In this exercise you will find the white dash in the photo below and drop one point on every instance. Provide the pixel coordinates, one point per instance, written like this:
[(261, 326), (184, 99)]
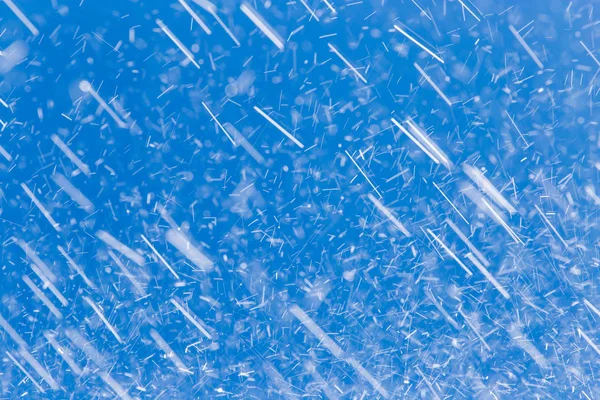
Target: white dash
[(590, 53), (262, 25), (450, 252), (185, 247), (164, 346), (279, 127), (519, 338), (76, 267), (552, 228), (41, 207), (177, 42), (196, 17), (32, 255), (432, 83), (486, 186), (64, 352), (160, 257), (13, 7), (332, 48), (86, 87), (488, 275), (431, 53), (5, 154), (588, 340), (73, 192), (27, 374), (44, 299), (192, 318), (330, 6), (363, 173), (38, 368), (526, 47), (219, 124), (120, 247), (103, 318), (385, 211), (70, 155)]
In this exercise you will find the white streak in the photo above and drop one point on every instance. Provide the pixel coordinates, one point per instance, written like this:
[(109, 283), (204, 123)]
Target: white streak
[(385, 211), (450, 252), (185, 247), (431, 53), (434, 148), (486, 186), (5, 154), (470, 245), (12, 333), (590, 53), (120, 247), (526, 47), (164, 346), (415, 141), (552, 228), (177, 42), (219, 124), (42, 297), (86, 87), (103, 318), (73, 192), (262, 25), (192, 318), (333, 347), (38, 368), (13, 7), (115, 386), (525, 344), (588, 340), (86, 346), (41, 207), (363, 173), (70, 155), (358, 74), (451, 203), (432, 83), (137, 286), (279, 127), (316, 330), (242, 141), (488, 275), (27, 374), (64, 352), (160, 257), (195, 17), (31, 254), (76, 267)]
